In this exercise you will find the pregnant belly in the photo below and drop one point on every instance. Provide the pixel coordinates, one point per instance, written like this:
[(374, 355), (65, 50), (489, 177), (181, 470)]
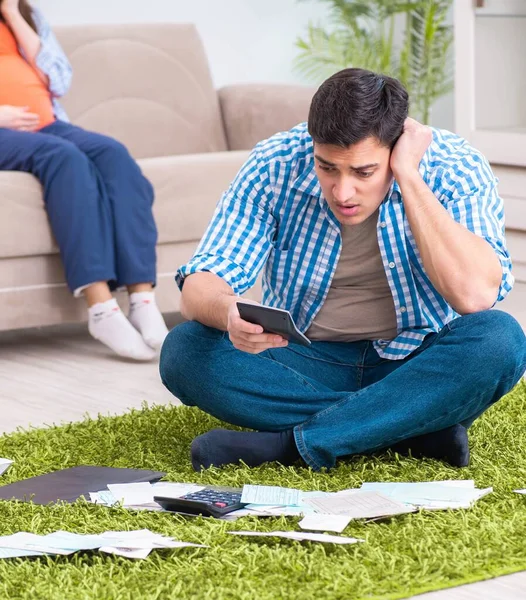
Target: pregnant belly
[(21, 86)]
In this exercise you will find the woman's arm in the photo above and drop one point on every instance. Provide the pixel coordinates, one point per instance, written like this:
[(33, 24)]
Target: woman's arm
[(28, 40), (41, 50)]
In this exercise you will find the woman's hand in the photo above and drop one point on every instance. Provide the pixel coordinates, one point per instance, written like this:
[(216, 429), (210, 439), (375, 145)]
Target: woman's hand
[(18, 118)]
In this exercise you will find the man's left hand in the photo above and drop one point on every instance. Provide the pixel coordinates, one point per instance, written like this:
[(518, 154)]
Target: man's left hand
[(410, 148)]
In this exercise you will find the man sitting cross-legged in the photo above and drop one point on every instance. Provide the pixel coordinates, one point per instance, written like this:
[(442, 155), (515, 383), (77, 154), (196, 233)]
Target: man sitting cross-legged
[(385, 240)]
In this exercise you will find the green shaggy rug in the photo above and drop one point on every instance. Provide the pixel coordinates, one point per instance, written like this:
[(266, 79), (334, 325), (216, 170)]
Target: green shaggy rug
[(404, 556)]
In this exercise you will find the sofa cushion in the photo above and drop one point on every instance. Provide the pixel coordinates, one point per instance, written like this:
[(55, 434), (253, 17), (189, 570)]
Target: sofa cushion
[(254, 111), (187, 189), (24, 226), (148, 85)]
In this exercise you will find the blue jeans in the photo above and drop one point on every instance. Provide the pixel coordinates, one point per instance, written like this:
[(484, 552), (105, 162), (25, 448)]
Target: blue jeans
[(342, 398), (98, 202)]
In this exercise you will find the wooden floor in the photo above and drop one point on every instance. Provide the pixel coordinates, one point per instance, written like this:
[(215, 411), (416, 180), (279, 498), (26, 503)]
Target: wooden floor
[(60, 374), (509, 587)]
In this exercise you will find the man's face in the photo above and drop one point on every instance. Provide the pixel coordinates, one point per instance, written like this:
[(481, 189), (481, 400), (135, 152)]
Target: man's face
[(354, 180)]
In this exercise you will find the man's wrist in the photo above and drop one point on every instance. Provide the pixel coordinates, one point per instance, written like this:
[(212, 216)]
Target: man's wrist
[(227, 300), (407, 176)]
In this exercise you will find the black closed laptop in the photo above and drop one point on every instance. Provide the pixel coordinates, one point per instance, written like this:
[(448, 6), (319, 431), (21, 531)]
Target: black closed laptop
[(68, 485)]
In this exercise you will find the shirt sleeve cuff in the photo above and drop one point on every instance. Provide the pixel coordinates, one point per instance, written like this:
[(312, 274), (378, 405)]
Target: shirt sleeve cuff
[(229, 271), (508, 279)]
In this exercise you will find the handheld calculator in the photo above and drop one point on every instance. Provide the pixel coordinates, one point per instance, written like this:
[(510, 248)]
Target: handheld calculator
[(213, 501)]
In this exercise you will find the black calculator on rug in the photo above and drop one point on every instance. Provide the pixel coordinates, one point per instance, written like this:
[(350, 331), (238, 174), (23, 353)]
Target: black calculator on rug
[(213, 501)]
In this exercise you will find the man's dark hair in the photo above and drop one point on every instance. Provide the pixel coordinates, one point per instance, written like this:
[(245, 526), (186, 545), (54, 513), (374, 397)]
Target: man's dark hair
[(355, 104)]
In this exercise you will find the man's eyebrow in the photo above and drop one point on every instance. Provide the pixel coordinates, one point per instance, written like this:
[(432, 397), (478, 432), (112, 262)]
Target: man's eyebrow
[(325, 162), (360, 168)]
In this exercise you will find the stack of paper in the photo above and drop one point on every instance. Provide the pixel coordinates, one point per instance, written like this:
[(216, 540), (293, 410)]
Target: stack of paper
[(270, 495), (131, 544), (273, 501), (372, 501), (358, 504), (431, 495), (5, 463), (318, 506), (139, 496), (263, 501)]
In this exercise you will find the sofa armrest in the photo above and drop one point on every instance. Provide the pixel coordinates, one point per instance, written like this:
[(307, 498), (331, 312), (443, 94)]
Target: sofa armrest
[(252, 112)]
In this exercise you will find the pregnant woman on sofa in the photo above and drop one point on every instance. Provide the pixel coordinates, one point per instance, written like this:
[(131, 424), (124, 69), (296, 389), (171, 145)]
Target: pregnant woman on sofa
[(98, 202)]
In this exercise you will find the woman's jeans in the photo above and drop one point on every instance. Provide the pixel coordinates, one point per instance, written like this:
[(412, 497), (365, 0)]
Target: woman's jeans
[(342, 398), (98, 202)]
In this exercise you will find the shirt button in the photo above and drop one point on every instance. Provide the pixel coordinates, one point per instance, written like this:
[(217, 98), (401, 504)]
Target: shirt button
[(383, 224), (391, 265), (403, 309)]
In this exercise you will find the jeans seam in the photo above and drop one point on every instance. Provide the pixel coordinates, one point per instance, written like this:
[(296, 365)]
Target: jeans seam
[(413, 432), (507, 381), (302, 448), (295, 374), (360, 368), (332, 407), (331, 362)]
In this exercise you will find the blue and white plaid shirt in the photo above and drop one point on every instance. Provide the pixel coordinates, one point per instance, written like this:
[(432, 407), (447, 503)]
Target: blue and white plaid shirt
[(52, 61), (274, 216)]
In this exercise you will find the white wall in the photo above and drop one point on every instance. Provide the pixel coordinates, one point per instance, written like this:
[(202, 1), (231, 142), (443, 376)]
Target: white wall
[(245, 40)]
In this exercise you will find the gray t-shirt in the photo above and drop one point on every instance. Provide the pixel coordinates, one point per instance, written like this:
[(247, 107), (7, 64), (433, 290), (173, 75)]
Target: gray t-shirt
[(359, 304)]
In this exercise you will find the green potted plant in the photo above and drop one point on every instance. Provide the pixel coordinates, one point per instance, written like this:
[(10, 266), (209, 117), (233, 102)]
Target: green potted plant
[(362, 34)]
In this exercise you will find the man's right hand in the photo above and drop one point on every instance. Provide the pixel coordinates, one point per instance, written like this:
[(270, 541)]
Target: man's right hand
[(249, 337), (18, 118)]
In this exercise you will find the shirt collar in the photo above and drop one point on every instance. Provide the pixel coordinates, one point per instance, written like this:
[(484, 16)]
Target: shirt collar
[(394, 194)]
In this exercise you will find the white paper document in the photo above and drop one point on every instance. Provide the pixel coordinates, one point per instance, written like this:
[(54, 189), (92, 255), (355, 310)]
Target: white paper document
[(143, 539), (301, 536), (132, 494), (171, 489), (270, 494), (59, 542), (31, 542), (320, 522), (16, 553), (127, 552), (139, 496), (131, 544), (359, 505), (520, 491), (431, 495), (5, 463), (104, 497), (74, 541)]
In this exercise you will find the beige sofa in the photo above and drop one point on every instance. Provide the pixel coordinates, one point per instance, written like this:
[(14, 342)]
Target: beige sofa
[(150, 87)]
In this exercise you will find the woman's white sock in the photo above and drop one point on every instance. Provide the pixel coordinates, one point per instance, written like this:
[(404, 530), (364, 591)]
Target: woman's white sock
[(146, 317), (107, 323)]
